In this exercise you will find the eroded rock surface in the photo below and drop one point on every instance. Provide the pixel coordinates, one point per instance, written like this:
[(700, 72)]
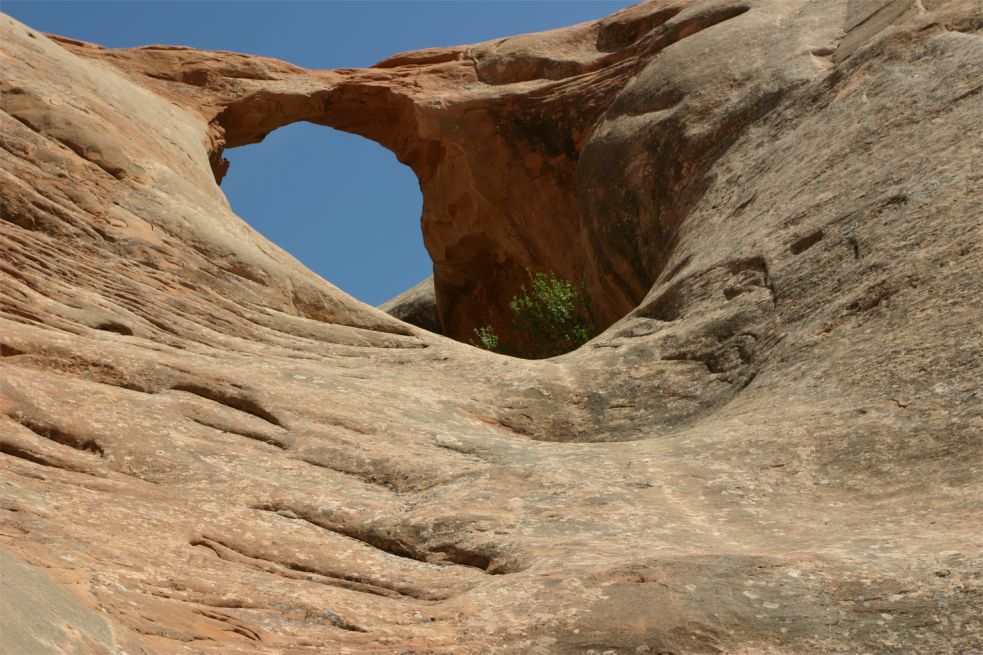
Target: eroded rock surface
[(774, 447)]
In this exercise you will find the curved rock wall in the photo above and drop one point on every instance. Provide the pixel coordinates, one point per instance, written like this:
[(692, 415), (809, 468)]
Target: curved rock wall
[(774, 447)]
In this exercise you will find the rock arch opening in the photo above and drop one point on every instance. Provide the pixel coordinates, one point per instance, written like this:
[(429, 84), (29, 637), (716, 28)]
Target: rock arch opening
[(499, 179), (530, 151), (496, 134), (341, 204)]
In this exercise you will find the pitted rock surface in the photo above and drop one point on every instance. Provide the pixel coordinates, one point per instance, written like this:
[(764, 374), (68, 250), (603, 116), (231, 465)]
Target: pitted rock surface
[(774, 446)]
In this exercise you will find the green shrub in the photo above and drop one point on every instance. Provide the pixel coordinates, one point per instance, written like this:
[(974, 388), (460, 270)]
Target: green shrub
[(552, 316), (487, 338)]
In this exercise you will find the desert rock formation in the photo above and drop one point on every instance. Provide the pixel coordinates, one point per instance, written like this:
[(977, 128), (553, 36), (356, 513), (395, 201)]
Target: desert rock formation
[(773, 448), (416, 306)]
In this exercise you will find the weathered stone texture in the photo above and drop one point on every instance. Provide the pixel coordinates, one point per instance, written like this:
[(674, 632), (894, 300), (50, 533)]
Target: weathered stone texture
[(774, 447)]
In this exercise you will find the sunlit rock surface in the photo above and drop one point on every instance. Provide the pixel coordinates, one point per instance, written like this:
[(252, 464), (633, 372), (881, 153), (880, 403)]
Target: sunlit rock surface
[(773, 448)]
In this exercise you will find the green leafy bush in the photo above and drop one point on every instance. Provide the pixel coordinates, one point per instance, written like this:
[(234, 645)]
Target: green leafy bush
[(552, 316), (487, 338)]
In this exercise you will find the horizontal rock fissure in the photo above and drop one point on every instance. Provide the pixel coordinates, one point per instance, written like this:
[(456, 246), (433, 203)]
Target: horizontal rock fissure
[(13, 450), (447, 554), (62, 437), (387, 545), (295, 570), (255, 436), (231, 400), (375, 481), (231, 622)]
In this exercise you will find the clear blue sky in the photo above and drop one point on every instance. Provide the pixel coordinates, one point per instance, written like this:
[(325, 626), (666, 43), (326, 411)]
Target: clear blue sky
[(340, 203)]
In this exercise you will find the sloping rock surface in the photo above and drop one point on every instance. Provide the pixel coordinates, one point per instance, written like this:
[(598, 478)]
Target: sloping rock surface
[(416, 306), (773, 448)]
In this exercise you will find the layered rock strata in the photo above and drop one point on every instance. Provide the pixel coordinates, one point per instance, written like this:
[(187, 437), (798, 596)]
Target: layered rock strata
[(773, 448)]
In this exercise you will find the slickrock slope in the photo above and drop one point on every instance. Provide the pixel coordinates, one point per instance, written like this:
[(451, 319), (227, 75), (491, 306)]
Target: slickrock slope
[(417, 306), (774, 448)]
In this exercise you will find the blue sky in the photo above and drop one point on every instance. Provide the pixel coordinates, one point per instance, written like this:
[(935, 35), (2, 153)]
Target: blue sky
[(338, 202)]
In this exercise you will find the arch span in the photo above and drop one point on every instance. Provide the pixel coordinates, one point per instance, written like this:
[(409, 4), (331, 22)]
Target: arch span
[(494, 133), (498, 184)]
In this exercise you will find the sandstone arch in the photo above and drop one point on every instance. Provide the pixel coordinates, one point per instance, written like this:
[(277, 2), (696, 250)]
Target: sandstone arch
[(498, 171), (774, 451)]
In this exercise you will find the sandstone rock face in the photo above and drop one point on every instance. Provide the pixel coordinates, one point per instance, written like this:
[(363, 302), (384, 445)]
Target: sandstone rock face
[(773, 448), (416, 306)]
